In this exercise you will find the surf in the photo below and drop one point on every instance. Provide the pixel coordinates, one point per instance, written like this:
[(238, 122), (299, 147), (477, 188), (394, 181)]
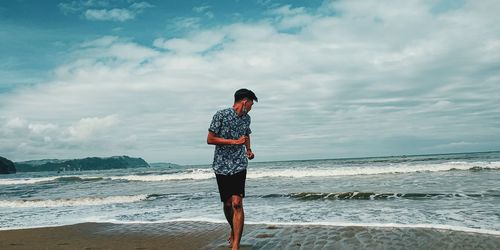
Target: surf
[(72, 202)]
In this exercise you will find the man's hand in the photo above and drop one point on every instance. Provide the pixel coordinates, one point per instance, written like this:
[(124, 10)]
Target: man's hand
[(250, 154), (241, 140)]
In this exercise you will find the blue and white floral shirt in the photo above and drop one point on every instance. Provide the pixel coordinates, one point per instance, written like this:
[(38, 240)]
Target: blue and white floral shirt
[(230, 159)]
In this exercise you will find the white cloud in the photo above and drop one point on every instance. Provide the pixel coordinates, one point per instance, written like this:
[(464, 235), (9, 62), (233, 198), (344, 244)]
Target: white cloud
[(287, 10), (101, 42), (104, 10), (204, 10), (141, 5), (41, 128), (42, 139), (15, 122), (186, 23), (198, 43), (109, 15), (75, 6), (453, 146), (287, 17), (69, 8), (357, 78), (201, 9), (88, 128)]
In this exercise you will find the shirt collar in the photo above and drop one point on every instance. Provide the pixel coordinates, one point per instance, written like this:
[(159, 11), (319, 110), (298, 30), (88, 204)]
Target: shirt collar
[(236, 114)]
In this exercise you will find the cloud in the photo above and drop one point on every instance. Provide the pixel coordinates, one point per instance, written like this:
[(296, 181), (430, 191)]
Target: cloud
[(15, 122), (103, 10), (187, 23), (455, 145), (69, 8), (201, 9), (88, 128), (79, 5), (141, 6), (84, 130), (204, 10), (287, 17), (41, 128), (197, 43), (43, 139), (348, 79), (109, 15)]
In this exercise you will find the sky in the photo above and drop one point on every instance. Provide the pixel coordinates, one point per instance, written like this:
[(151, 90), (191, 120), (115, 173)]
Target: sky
[(334, 79)]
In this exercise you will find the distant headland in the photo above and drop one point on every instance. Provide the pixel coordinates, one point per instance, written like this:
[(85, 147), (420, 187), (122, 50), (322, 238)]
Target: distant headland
[(89, 163), (7, 166)]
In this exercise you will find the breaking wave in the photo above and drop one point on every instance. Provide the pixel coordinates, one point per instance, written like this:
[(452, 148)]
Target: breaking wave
[(203, 174), (83, 201), (192, 174), (20, 181), (307, 196), (255, 173)]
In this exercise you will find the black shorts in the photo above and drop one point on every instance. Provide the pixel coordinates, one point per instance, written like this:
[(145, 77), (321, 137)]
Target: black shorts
[(230, 185)]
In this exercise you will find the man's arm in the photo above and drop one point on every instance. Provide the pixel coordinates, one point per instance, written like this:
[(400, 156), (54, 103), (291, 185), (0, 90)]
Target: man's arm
[(250, 154), (214, 140)]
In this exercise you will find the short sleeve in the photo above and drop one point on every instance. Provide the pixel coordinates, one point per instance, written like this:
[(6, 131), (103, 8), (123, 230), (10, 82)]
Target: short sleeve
[(216, 124), (249, 131)]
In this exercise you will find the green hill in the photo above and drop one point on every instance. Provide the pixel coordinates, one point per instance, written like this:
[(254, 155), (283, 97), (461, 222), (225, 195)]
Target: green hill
[(90, 163), (6, 166)]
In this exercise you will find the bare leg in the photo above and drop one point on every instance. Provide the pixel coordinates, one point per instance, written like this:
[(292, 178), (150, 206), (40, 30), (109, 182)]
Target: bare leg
[(228, 212), (238, 220)]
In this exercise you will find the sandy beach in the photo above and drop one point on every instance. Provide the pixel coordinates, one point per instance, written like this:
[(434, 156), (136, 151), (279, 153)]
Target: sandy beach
[(203, 235)]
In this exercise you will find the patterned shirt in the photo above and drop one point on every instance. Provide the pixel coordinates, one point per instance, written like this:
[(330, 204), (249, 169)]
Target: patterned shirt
[(230, 159)]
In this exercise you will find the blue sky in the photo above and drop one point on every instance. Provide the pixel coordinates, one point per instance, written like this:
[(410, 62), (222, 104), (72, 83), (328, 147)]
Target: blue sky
[(334, 78)]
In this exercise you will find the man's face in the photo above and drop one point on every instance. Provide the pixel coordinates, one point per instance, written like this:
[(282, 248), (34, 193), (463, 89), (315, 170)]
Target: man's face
[(247, 105)]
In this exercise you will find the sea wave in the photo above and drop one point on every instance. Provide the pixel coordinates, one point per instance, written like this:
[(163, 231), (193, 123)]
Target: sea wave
[(82, 201), (328, 224), (256, 173), (20, 181), (373, 170), (384, 225), (277, 225), (191, 174), (308, 196), (35, 180), (78, 179)]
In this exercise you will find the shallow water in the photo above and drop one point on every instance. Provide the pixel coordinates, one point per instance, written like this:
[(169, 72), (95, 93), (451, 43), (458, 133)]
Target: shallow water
[(458, 191)]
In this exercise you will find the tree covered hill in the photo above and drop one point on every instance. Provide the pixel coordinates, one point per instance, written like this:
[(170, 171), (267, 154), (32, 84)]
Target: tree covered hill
[(89, 163), (6, 166)]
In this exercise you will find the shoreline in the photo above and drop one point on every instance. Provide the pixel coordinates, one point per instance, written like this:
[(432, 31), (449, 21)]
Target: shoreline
[(458, 229), (207, 235)]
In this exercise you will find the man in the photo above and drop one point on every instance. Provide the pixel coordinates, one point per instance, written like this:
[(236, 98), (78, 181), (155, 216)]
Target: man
[(230, 133)]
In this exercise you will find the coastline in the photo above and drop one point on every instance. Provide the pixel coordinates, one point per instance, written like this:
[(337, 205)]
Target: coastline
[(206, 235)]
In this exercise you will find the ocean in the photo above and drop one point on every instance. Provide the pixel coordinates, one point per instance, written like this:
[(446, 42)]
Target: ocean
[(449, 191)]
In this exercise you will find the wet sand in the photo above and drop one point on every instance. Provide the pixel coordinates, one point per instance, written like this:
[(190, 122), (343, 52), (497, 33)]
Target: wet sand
[(203, 235)]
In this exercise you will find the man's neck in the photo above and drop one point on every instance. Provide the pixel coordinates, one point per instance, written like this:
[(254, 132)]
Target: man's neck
[(238, 108)]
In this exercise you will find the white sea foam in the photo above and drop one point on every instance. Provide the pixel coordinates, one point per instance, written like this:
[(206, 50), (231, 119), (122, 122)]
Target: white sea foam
[(255, 173), (201, 174), (393, 225), (336, 224), (83, 201), (34, 180), (349, 171), (19, 181), (194, 174), (192, 219)]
